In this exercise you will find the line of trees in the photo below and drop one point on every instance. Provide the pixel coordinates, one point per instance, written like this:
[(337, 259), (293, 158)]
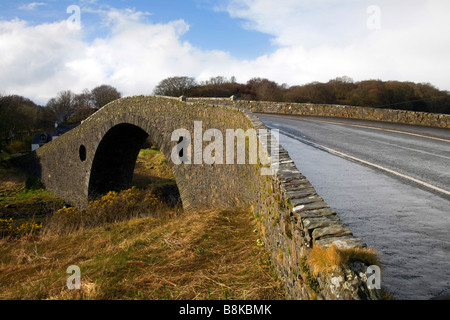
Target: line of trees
[(20, 117), (71, 108), (342, 90)]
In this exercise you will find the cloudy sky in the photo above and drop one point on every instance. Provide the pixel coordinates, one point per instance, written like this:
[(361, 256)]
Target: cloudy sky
[(48, 46)]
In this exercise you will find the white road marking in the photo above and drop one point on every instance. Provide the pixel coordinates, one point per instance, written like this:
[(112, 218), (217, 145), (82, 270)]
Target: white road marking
[(344, 155), (369, 127), (402, 147), (381, 129)]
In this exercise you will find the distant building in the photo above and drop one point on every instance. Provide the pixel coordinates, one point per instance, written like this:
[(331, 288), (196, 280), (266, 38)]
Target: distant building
[(60, 130), (42, 138)]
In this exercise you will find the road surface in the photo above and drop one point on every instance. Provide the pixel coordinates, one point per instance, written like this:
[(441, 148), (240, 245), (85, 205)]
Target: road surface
[(390, 184)]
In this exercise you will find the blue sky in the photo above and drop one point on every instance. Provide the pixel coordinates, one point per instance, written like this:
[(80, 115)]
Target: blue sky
[(133, 45), (209, 28)]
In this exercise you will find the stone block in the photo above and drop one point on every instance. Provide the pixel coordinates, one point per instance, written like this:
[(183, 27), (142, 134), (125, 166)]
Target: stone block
[(341, 242), (332, 230)]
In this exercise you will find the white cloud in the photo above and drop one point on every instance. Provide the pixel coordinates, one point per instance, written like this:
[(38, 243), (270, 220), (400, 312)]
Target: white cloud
[(305, 22), (37, 61), (319, 40), (32, 5), (33, 58)]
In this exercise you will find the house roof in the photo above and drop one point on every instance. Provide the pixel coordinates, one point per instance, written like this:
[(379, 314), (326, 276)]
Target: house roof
[(59, 130), (41, 138)]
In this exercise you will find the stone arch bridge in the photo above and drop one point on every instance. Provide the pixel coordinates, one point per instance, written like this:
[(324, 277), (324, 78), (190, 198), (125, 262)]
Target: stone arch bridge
[(100, 155)]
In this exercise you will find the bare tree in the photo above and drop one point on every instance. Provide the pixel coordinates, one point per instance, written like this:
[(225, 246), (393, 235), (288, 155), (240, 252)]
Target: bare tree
[(63, 105), (217, 81), (175, 86), (83, 107), (104, 94), (264, 89), (84, 100)]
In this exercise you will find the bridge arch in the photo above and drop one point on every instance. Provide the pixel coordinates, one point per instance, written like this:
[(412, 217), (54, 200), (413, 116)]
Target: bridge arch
[(114, 161), (100, 154)]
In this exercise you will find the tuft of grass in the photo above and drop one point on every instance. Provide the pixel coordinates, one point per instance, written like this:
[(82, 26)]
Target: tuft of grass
[(18, 147), (323, 260), (32, 195), (12, 181), (23, 200)]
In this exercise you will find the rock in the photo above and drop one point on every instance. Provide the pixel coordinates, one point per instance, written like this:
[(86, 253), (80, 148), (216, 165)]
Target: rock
[(334, 230), (313, 223), (341, 242)]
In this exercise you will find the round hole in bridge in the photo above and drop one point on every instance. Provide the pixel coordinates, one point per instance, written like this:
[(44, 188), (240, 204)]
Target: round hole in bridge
[(82, 152)]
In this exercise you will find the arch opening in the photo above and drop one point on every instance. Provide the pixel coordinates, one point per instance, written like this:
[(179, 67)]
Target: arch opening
[(114, 160), (114, 163)]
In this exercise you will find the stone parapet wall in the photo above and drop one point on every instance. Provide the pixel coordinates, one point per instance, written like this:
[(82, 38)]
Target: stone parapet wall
[(294, 219), (339, 111)]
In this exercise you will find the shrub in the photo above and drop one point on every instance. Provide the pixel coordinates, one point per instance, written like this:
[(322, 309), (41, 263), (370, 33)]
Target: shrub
[(27, 228), (5, 227), (24, 229), (112, 207), (17, 147)]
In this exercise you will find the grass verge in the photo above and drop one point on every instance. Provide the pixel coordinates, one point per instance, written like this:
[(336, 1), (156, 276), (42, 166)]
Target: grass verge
[(203, 255)]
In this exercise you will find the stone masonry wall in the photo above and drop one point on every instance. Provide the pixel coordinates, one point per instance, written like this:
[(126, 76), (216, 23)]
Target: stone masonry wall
[(294, 219), (338, 111)]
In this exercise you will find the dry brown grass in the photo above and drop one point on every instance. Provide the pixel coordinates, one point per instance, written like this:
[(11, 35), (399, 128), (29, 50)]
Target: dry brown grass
[(323, 260), (135, 253), (113, 207), (203, 255)]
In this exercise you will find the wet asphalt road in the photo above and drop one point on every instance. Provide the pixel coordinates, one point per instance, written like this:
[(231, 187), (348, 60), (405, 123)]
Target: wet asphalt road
[(390, 184)]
